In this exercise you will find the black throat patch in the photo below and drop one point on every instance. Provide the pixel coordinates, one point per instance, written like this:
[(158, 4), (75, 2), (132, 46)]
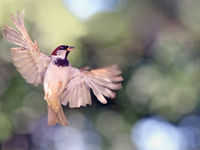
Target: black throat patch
[(62, 62)]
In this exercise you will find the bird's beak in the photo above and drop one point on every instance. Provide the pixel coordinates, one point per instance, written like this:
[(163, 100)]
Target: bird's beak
[(70, 48)]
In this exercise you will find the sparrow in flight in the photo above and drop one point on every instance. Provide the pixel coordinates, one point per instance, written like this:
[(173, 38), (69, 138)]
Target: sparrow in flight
[(63, 84)]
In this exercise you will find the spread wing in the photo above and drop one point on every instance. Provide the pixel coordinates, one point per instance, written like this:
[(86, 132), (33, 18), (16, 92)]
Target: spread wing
[(27, 58), (103, 82)]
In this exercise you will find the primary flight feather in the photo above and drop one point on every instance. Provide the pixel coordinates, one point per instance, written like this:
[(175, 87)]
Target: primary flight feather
[(63, 84)]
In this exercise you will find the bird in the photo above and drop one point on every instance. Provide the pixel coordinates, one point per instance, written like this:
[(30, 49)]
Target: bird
[(63, 84)]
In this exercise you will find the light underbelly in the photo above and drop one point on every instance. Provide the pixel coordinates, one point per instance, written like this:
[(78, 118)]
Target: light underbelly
[(55, 80)]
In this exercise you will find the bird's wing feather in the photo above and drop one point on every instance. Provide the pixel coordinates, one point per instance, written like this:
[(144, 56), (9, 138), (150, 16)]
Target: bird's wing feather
[(27, 58), (103, 82)]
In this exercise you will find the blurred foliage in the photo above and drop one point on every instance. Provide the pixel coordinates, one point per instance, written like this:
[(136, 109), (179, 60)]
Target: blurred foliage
[(155, 43)]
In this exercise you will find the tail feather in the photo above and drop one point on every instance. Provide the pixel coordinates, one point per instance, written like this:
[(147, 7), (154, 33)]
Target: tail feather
[(56, 117), (61, 117), (52, 116)]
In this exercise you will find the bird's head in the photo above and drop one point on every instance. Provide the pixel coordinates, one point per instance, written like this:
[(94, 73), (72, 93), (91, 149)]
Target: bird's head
[(62, 51)]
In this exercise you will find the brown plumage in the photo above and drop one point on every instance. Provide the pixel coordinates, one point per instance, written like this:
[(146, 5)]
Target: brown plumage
[(63, 84)]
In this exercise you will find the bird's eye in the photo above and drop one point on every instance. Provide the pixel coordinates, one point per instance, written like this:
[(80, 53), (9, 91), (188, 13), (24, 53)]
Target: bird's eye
[(63, 47)]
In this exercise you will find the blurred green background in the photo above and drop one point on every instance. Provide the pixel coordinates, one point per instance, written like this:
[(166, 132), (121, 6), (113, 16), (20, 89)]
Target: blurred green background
[(156, 43)]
